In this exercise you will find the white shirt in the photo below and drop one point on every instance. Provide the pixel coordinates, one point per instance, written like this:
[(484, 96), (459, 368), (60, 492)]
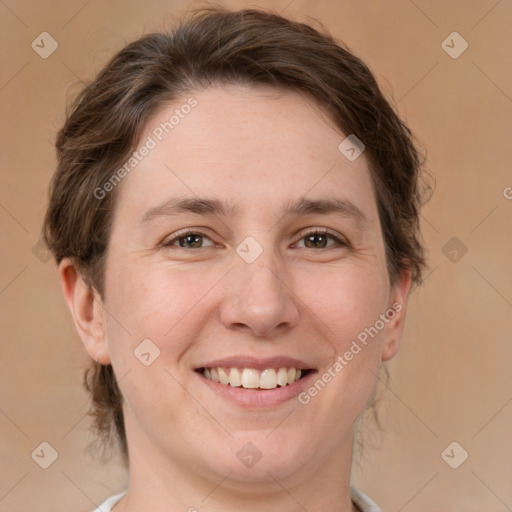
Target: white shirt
[(362, 501)]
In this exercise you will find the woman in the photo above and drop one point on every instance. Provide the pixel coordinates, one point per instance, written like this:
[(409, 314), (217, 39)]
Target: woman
[(235, 220)]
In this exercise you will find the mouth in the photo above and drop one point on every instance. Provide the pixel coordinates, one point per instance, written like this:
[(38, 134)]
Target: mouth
[(252, 378)]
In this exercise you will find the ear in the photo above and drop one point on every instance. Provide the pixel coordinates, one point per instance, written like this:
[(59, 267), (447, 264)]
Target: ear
[(87, 310), (396, 307)]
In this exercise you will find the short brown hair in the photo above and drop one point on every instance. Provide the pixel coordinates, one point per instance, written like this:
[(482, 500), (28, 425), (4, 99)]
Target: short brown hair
[(217, 46)]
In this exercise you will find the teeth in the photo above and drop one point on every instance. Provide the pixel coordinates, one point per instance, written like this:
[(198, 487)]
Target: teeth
[(235, 379), (223, 376), (268, 379), (282, 376), (250, 378)]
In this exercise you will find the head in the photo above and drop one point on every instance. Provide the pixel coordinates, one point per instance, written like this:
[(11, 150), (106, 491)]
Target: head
[(293, 247)]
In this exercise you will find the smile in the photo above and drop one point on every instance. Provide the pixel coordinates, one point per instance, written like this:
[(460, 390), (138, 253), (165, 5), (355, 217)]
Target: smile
[(250, 378)]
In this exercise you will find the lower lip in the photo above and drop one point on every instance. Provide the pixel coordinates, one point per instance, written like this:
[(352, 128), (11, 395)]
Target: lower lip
[(259, 398)]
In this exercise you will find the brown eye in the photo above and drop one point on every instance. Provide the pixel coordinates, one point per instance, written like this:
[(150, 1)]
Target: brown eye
[(321, 240), (316, 241), (193, 241)]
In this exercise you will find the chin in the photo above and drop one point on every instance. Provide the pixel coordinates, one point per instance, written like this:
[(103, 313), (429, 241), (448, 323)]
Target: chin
[(261, 459)]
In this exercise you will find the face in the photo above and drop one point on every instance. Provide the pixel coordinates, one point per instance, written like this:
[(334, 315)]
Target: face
[(245, 247)]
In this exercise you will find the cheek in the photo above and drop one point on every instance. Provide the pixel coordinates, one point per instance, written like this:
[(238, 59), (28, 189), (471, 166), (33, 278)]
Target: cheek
[(349, 304), (345, 302), (156, 302)]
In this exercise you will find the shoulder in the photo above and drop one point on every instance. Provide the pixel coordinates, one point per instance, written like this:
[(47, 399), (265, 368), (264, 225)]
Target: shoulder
[(363, 502), (107, 505)]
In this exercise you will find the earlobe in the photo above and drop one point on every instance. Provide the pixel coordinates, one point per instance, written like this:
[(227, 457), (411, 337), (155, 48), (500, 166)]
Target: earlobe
[(86, 308), (397, 307)]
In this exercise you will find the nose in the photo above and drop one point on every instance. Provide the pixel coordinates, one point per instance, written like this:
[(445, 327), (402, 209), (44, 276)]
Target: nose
[(259, 300)]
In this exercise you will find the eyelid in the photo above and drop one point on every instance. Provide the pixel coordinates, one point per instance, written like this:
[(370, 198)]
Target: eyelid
[(170, 240), (340, 239)]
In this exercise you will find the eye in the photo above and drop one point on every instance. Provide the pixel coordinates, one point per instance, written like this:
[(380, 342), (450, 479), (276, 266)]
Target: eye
[(319, 239), (188, 240), (314, 239)]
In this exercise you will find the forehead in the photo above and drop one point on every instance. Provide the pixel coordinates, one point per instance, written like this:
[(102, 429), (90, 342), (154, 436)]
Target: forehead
[(256, 147)]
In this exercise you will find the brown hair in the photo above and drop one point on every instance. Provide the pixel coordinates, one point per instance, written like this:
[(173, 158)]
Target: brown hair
[(217, 46)]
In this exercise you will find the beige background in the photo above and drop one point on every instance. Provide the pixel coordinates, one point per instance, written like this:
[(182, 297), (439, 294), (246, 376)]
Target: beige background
[(452, 380)]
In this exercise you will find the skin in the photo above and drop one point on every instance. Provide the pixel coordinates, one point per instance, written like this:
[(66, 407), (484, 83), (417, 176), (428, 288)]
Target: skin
[(261, 149)]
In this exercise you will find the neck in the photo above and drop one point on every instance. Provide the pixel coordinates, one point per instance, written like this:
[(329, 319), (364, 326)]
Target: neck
[(162, 483)]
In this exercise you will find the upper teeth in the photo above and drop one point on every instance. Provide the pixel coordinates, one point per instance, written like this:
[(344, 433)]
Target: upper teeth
[(269, 378)]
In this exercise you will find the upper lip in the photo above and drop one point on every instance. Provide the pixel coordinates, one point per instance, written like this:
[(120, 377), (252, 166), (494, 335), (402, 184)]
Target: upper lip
[(256, 363)]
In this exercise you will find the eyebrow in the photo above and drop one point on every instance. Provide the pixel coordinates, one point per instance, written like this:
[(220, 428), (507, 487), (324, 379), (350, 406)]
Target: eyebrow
[(214, 207)]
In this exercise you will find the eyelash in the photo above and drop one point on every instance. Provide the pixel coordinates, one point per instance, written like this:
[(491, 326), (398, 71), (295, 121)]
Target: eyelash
[(316, 231)]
